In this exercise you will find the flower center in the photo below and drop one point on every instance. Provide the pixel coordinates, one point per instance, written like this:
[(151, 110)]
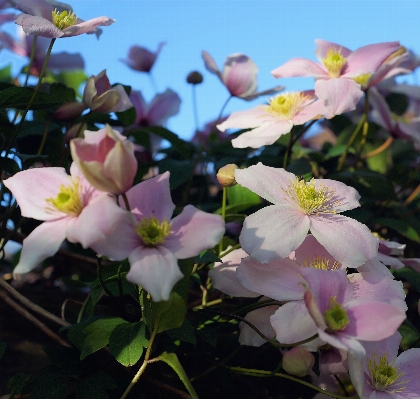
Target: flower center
[(152, 231), (334, 62), (311, 200), (383, 375), (363, 78), (68, 199), (63, 19), (286, 105), (336, 316), (321, 262)]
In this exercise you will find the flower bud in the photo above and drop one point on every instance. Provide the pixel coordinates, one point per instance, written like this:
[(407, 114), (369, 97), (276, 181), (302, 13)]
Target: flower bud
[(106, 159), (298, 361), (226, 175), (194, 78)]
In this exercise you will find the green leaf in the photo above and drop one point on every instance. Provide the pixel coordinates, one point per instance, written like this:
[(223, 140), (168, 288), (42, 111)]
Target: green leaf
[(98, 334), (18, 97), (72, 79), (410, 275), (172, 312), (378, 163), (66, 359), (49, 386), (235, 209), (409, 335), (207, 256), (128, 117), (94, 387), (6, 73), (401, 226), (186, 266), (17, 382), (180, 170), (239, 195), (171, 360), (127, 341), (184, 333)]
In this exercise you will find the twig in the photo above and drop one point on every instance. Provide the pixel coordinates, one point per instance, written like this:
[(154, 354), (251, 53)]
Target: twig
[(169, 388), (23, 312)]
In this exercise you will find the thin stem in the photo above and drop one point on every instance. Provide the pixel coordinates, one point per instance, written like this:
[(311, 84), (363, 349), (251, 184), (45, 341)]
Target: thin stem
[(365, 127), (126, 203), (146, 359), (413, 195), (44, 137), (22, 119), (101, 281), (31, 60), (380, 149), (153, 82), (288, 151), (223, 108), (228, 251), (264, 373), (350, 142), (224, 199), (195, 110)]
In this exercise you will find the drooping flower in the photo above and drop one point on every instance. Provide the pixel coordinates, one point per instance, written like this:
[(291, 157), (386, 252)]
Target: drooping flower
[(299, 207), (239, 75), (153, 242), (39, 18), (106, 159), (271, 121), (388, 376), (57, 62), (341, 72), (69, 206), (141, 59)]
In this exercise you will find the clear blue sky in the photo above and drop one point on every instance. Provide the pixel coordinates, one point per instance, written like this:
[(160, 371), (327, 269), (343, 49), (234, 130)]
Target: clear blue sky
[(269, 31)]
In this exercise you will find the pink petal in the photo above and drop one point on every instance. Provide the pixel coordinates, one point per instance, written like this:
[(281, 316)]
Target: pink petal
[(266, 181), (348, 241), (409, 363), (139, 105), (124, 102), (38, 8), (33, 25), (293, 323), (274, 90), (279, 279), (11, 44), (265, 134), (339, 95), (260, 318), (151, 198), (315, 110), (369, 58), (356, 358), (162, 107), (300, 67), (210, 64), (244, 119), (387, 346), (33, 187), (156, 270), (65, 61), (372, 321), (273, 231), (194, 231), (42, 243), (322, 47), (382, 112), (70, 111), (240, 75), (87, 26)]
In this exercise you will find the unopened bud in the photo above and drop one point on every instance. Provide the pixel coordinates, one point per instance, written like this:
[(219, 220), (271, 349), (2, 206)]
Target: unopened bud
[(194, 78), (226, 175), (298, 361)]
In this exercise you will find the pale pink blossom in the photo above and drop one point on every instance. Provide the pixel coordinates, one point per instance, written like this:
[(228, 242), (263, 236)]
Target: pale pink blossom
[(340, 71), (298, 361), (69, 206), (106, 159), (269, 122), (299, 207), (141, 59), (39, 18), (239, 75), (153, 242), (388, 376)]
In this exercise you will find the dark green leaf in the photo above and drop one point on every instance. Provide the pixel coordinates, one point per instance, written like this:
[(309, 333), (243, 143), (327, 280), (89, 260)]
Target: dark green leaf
[(409, 335), (182, 286), (404, 227), (180, 170), (94, 387), (172, 312), (184, 333), (127, 341), (207, 256), (18, 97), (128, 117), (66, 359), (17, 382), (49, 386), (410, 275)]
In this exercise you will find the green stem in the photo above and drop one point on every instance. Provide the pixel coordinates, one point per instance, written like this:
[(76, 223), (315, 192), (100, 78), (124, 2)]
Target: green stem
[(145, 361), (100, 279), (228, 251), (44, 137), (288, 151), (195, 110), (349, 143), (22, 119), (223, 108), (365, 127), (31, 60), (264, 373), (224, 199)]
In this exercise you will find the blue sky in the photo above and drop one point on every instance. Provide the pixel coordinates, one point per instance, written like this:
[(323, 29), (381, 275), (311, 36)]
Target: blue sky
[(269, 31)]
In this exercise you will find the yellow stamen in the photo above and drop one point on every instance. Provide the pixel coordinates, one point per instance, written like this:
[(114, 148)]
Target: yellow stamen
[(67, 200), (63, 19), (363, 79), (152, 231), (383, 375), (321, 262), (287, 105), (334, 62), (336, 316), (311, 200)]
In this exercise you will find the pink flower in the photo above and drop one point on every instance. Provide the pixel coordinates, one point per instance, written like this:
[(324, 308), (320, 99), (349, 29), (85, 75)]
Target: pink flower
[(340, 73), (69, 206), (141, 59), (388, 376), (271, 121), (153, 242), (41, 19), (299, 207), (210, 134), (106, 159), (239, 75), (58, 62)]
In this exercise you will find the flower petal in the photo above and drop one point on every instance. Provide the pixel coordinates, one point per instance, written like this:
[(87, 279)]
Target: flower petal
[(38, 8), (244, 119), (156, 270), (193, 231), (162, 107), (347, 240), (322, 47), (240, 75), (33, 25), (300, 67), (210, 64), (42, 243), (87, 26)]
